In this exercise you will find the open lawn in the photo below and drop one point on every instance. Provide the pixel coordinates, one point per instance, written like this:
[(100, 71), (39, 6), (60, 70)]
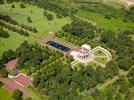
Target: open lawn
[(13, 41), (39, 21), (4, 94), (99, 53), (112, 24), (35, 95), (102, 60)]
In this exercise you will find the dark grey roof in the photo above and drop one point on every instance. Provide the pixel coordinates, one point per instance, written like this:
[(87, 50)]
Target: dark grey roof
[(15, 72)]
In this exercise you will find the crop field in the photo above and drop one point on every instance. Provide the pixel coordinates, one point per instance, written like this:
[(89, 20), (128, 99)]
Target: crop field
[(39, 21), (4, 94), (113, 24)]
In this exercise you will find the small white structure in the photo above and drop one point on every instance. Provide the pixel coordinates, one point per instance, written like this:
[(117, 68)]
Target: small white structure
[(14, 74), (84, 55)]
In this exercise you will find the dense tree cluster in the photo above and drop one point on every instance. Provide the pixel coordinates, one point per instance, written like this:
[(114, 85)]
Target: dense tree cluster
[(129, 14), (6, 56), (3, 33), (78, 32), (48, 15), (122, 89), (31, 57), (60, 82), (122, 44), (10, 20), (2, 2)]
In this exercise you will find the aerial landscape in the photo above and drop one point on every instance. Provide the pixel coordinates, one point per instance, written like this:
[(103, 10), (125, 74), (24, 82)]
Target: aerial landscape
[(66, 49)]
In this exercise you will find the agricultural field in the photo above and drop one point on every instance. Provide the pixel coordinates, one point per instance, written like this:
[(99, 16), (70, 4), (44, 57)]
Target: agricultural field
[(4, 94), (38, 19)]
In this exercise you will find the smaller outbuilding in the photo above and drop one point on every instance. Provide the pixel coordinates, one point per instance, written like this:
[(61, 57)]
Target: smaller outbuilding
[(14, 74)]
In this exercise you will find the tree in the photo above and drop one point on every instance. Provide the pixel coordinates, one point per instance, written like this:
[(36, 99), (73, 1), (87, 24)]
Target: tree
[(1, 84), (29, 19), (22, 5), (4, 33), (13, 6), (50, 17), (3, 72), (17, 95), (2, 2)]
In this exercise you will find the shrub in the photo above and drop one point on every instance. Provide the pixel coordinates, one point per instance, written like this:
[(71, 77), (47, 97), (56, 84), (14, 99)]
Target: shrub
[(17, 95), (1, 84), (22, 6), (29, 19)]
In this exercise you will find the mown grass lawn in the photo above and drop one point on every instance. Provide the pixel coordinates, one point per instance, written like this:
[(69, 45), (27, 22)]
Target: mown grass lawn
[(102, 60), (4, 94), (112, 24), (39, 21), (35, 95), (13, 41)]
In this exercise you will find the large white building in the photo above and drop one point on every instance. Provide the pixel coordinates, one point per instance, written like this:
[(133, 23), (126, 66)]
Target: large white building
[(84, 55)]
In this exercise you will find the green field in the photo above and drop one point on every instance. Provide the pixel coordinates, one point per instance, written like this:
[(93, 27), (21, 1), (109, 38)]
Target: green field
[(4, 94), (39, 21), (112, 24), (99, 53), (13, 41), (102, 60), (35, 96)]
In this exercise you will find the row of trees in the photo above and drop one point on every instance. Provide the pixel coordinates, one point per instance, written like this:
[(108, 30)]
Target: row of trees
[(61, 11), (20, 31), (79, 32), (10, 20), (3, 33)]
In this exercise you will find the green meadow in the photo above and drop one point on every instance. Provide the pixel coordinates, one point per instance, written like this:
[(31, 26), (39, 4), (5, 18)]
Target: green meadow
[(13, 41), (112, 24), (39, 21), (4, 94)]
